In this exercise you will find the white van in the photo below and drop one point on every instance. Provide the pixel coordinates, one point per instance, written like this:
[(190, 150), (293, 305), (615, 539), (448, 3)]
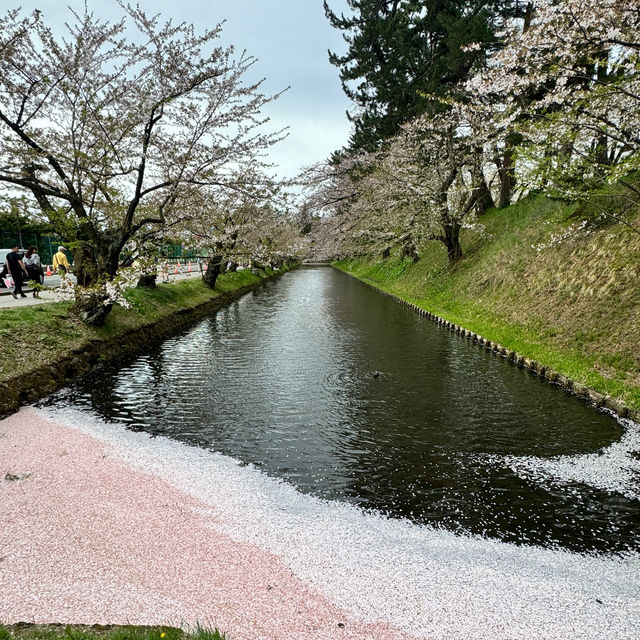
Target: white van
[(3, 255), (3, 259)]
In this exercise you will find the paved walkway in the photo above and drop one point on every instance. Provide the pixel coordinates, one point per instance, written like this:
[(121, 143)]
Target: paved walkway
[(7, 301)]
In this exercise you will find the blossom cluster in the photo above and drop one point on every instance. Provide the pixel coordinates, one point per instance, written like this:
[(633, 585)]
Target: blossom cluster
[(556, 109), (572, 232), (569, 84)]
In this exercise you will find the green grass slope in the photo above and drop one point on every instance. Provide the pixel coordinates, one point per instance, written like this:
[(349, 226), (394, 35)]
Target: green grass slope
[(536, 282), (35, 335), (42, 346)]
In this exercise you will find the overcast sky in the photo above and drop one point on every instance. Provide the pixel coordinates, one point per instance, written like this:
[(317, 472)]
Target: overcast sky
[(289, 38)]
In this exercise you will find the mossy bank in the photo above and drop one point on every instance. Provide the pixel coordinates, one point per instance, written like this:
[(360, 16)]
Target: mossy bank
[(537, 283), (43, 346)]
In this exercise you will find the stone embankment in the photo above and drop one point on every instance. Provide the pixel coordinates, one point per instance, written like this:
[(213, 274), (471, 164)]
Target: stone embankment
[(592, 397)]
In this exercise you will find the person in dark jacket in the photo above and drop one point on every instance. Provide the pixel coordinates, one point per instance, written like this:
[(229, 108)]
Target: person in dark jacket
[(17, 271)]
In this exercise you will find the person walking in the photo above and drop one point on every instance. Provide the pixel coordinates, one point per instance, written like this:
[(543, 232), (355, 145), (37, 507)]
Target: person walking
[(33, 264), (17, 271), (60, 262)]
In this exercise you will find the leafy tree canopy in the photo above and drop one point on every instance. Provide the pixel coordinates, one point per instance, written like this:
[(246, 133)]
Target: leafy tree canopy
[(400, 52)]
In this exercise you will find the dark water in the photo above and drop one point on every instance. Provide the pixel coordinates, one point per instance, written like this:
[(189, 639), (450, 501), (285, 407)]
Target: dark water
[(283, 379)]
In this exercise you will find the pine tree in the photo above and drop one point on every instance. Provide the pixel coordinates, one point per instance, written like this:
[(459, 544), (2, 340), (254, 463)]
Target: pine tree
[(401, 52)]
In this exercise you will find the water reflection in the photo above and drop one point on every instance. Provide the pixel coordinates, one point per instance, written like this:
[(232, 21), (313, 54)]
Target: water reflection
[(283, 379)]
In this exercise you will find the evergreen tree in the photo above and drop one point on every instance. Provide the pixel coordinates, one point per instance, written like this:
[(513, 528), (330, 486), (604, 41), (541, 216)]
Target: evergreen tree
[(402, 51)]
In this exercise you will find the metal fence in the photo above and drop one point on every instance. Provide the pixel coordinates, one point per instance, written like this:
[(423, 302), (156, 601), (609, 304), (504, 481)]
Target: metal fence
[(46, 246), (178, 252)]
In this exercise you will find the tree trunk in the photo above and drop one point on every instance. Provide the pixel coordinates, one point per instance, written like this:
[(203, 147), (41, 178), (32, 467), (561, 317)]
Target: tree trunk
[(602, 149), (528, 17), (484, 199), (109, 255), (93, 263), (409, 251), (480, 198), (505, 173), (147, 280), (451, 240), (213, 271), (85, 265), (92, 267), (91, 306)]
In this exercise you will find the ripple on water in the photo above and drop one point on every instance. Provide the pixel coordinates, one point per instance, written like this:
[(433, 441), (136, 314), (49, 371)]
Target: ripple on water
[(446, 435)]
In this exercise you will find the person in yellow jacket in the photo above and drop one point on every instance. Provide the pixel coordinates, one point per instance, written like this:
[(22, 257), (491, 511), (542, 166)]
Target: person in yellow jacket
[(60, 262)]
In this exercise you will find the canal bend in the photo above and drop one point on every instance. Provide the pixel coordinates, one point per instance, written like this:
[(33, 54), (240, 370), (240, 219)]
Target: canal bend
[(319, 380)]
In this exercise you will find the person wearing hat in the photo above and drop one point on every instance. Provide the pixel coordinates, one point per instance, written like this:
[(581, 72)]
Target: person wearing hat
[(60, 262)]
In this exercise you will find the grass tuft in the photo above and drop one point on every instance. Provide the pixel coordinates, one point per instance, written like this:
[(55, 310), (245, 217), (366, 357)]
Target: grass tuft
[(80, 632), (205, 633)]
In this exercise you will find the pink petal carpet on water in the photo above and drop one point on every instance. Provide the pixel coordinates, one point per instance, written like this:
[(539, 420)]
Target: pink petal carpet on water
[(101, 524), (86, 538)]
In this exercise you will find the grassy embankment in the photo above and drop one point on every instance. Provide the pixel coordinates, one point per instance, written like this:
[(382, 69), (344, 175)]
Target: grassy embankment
[(35, 338), (79, 632), (571, 304)]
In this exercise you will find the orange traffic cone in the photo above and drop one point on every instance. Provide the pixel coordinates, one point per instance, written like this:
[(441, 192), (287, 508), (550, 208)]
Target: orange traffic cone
[(49, 271), (189, 266)]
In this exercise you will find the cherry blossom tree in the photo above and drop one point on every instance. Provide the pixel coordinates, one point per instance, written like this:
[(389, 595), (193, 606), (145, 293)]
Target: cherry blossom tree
[(247, 226), (112, 126), (569, 85), (432, 177), (331, 191), (425, 184)]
